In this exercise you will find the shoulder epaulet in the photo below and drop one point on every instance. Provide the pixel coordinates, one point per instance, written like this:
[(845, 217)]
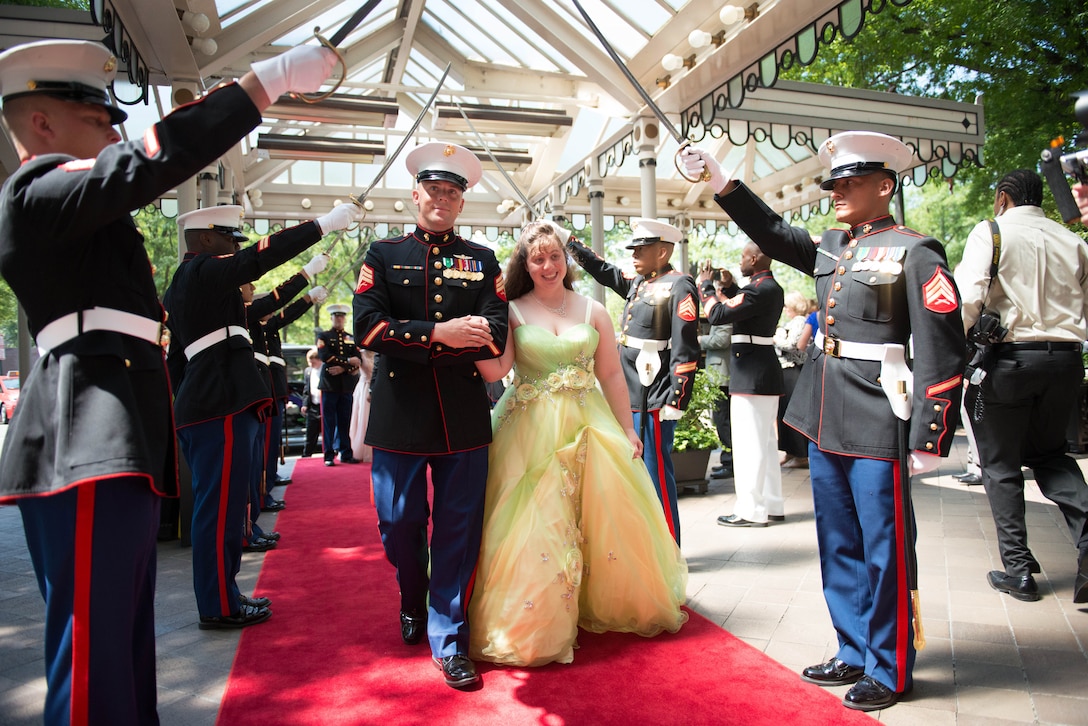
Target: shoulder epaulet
[(908, 231)]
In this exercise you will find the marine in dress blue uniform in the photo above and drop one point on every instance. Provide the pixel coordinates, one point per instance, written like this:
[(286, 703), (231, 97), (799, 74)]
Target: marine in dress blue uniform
[(884, 289), (659, 328), (221, 399), (755, 386), (260, 309), (278, 367), (430, 303), (340, 360), (91, 449)]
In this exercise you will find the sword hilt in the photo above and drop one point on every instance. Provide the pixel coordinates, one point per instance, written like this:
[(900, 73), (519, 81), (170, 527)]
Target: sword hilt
[(319, 97), (703, 177), (916, 607)]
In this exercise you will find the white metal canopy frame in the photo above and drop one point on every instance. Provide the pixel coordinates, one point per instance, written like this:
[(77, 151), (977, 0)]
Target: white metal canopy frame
[(538, 91)]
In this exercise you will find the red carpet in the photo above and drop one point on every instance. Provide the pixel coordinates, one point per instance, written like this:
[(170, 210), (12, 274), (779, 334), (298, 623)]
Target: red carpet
[(332, 652)]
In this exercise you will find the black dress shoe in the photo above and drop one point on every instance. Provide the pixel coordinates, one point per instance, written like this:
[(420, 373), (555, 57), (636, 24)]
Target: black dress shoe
[(412, 627), (1021, 588), (257, 602), (457, 669), (776, 517), (349, 460), (734, 521), (282, 481), (968, 478), (248, 615), (1080, 587), (259, 544), (720, 472), (869, 694), (330, 462), (275, 505), (273, 535), (834, 672)]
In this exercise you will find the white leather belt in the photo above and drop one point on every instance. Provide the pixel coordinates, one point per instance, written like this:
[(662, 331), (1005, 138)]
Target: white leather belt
[(753, 339), (845, 349), (69, 326), (204, 342), (261, 357), (632, 342), (277, 360)]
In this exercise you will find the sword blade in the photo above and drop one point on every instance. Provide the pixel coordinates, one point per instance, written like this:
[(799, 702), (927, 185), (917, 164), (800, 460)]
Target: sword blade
[(415, 125), (634, 82), (352, 23), (517, 190)]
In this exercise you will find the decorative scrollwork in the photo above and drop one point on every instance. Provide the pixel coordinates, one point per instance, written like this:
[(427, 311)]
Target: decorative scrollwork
[(614, 156), (120, 42), (847, 19)]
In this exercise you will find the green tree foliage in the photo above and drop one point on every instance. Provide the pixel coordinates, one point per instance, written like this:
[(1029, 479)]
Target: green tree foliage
[(1024, 60)]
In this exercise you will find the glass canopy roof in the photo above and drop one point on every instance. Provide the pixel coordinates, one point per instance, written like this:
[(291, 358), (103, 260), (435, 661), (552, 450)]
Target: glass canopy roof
[(539, 90)]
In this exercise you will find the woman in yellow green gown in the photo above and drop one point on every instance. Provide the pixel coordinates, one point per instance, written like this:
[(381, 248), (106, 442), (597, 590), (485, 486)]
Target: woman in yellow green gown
[(574, 534)]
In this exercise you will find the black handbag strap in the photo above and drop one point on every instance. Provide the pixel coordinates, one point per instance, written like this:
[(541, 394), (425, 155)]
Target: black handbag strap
[(995, 233)]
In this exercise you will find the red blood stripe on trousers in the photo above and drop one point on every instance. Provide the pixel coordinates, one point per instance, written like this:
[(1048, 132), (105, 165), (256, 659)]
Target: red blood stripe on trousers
[(221, 523), (81, 604), (902, 604), (666, 505)]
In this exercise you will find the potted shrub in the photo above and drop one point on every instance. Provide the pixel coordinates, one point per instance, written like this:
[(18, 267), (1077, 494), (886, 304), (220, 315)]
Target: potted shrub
[(696, 438)]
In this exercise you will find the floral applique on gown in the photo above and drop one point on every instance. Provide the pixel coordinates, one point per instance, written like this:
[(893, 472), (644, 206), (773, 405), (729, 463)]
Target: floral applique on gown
[(574, 534)]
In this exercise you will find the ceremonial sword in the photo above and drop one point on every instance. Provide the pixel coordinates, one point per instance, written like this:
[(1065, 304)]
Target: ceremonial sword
[(357, 199), (332, 43), (521, 196), (705, 176)]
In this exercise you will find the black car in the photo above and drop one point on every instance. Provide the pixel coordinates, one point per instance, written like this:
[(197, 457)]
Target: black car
[(294, 421)]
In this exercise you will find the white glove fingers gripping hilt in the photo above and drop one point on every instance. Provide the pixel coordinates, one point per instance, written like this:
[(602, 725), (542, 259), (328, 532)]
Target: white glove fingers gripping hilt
[(677, 161), (318, 97)]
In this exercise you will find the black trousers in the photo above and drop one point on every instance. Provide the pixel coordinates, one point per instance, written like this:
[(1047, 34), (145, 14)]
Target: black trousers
[(790, 440), (1026, 399), (313, 428), (720, 417)]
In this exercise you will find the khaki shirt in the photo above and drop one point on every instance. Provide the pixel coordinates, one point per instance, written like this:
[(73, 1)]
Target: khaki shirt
[(1041, 290)]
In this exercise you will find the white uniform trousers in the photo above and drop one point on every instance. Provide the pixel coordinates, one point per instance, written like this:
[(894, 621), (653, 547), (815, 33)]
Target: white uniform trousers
[(756, 474)]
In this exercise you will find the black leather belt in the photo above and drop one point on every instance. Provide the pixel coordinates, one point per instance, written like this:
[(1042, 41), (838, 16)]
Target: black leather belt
[(1048, 345)]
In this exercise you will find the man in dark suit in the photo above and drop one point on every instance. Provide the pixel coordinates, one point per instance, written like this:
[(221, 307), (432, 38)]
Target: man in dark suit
[(91, 449), (884, 290), (755, 385), (431, 303)]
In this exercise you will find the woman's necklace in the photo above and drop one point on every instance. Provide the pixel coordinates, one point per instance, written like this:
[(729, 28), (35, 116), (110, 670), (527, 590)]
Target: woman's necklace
[(561, 311)]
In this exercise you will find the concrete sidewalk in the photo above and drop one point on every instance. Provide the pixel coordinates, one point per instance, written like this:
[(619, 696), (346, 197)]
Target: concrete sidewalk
[(989, 659)]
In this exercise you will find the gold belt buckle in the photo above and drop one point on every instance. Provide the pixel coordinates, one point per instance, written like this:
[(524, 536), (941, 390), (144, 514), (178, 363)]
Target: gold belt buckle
[(831, 347)]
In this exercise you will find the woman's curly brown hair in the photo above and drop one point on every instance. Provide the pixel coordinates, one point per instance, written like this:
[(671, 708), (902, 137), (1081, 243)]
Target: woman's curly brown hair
[(536, 235)]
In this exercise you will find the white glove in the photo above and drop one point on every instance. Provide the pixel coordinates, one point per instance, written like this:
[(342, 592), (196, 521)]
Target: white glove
[(302, 69), (921, 462), (561, 232), (695, 160), (342, 216), (671, 413), (318, 295), (316, 265)]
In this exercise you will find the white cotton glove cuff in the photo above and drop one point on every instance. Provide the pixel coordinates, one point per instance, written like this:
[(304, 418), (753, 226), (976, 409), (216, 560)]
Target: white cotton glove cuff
[(342, 216), (671, 413), (318, 295), (921, 462), (316, 265), (302, 69)]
